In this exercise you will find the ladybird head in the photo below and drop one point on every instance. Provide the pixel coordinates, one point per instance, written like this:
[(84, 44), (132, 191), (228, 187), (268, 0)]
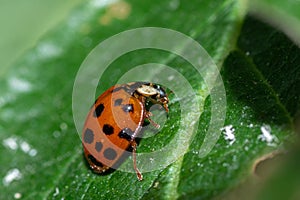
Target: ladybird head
[(155, 93)]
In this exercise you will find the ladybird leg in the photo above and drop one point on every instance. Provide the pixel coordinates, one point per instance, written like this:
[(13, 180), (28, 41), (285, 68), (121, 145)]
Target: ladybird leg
[(147, 116), (137, 171)]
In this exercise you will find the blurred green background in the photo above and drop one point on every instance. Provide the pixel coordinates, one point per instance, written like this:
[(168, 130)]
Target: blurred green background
[(24, 22)]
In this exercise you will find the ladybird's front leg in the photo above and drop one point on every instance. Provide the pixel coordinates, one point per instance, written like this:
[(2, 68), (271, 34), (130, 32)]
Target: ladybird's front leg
[(148, 114)]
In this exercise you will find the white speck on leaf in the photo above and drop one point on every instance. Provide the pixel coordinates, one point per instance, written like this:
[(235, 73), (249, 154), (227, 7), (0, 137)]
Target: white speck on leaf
[(11, 143), (170, 78), (63, 126), (200, 164), (32, 152), (14, 143), (228, 132), (266, 136), (25, 147), (56, 192), (155, 185), (151, 160), (19, 84), (49, 50), (174, 4), (12, 175), (56, 134), (17, 195)]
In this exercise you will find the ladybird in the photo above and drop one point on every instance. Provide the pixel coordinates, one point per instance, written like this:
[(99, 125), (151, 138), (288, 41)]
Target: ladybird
[(115, 121)]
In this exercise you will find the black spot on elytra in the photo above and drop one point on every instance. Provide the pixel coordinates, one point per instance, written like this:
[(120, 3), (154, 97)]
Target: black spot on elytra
[(94, 161), (110, 154), (88, 136), (118, 102), (127, 108), (108, 129), (98, 110), (98, 146), (126, 133)]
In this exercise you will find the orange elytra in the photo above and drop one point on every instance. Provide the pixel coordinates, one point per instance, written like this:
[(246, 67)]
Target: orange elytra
[(115, 121)]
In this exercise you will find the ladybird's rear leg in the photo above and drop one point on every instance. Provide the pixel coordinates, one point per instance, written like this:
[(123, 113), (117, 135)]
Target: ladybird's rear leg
[(147, 116), (137, 171)]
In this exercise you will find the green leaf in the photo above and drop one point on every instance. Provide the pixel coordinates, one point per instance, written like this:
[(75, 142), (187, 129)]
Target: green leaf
[(284, 14), (41, 153)]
